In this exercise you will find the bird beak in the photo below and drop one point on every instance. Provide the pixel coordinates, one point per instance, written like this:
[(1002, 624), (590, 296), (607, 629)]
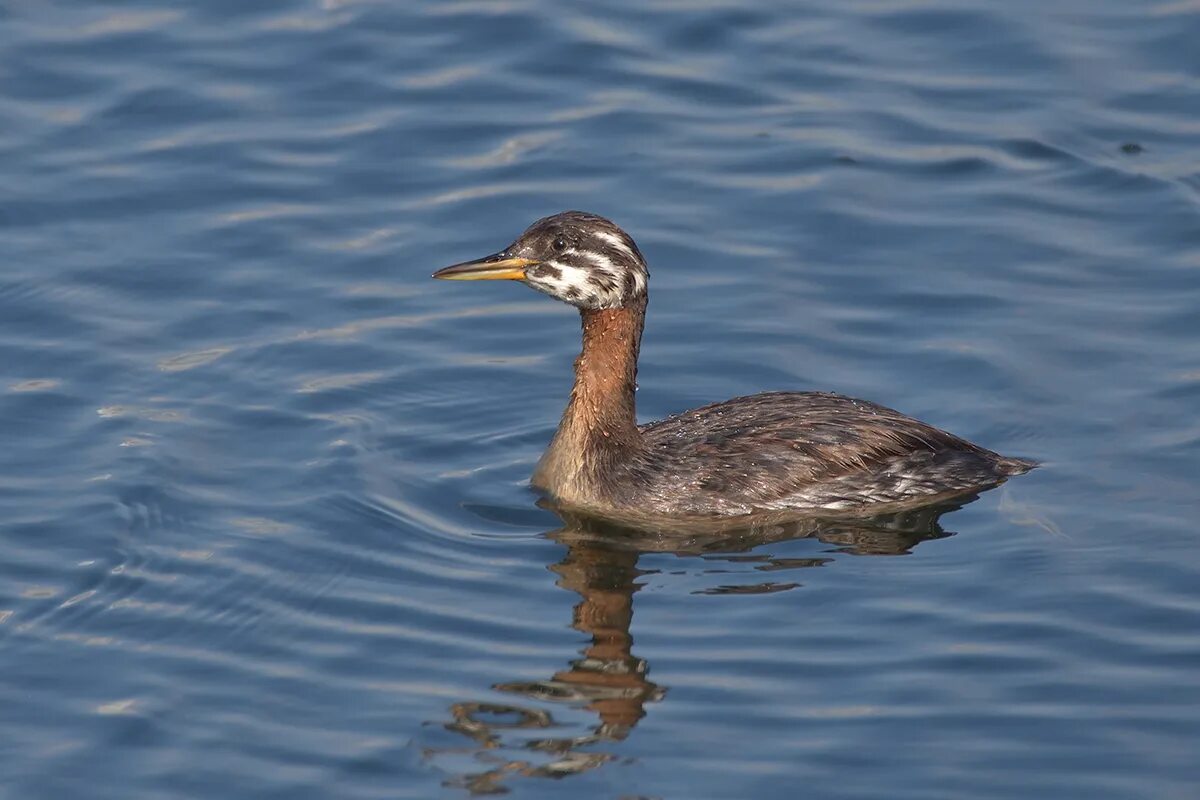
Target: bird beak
[(498, 267)]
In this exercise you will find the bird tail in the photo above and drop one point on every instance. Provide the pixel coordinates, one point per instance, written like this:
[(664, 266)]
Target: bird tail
[(1016, 466)]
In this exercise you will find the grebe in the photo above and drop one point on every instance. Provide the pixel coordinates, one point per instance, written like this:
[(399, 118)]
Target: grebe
[(771, 452)]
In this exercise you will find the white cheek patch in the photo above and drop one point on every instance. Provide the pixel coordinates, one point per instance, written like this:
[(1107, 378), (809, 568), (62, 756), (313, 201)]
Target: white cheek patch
[(565, 282), (571, 276), (603, 284)]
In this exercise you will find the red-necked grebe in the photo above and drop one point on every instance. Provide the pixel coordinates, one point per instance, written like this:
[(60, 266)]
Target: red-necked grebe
[(768, 452)]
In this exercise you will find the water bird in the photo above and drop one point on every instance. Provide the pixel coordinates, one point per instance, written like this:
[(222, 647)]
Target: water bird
[(749, 456)]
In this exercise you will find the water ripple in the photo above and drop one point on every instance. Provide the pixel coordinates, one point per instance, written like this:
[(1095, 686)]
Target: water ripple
[(264, 499)]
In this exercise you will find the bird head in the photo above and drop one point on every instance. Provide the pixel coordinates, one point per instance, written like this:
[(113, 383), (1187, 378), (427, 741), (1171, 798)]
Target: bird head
[(579, 258)]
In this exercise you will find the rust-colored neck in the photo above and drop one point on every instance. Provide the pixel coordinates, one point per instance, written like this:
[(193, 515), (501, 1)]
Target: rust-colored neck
[(602, 400), (599, 425)]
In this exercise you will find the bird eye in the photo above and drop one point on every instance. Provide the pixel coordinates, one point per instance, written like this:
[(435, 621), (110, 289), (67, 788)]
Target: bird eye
[(559, 244)]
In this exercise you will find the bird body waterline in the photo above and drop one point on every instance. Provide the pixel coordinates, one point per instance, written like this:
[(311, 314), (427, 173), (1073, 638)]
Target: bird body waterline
[(760, 454)]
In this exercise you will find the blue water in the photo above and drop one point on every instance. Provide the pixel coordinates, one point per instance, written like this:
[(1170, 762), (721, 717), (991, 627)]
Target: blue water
[(263, 506)]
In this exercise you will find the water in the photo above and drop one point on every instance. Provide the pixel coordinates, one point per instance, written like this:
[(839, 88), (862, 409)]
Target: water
[(263, 501)]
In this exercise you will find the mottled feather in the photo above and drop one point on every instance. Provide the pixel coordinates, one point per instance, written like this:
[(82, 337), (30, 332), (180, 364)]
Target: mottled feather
[(804, 449)]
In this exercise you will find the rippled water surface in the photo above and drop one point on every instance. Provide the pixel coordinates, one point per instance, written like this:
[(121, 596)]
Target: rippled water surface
[(263, 506)]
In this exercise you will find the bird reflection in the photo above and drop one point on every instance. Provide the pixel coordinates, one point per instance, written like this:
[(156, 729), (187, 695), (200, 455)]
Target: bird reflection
[(608, 680)]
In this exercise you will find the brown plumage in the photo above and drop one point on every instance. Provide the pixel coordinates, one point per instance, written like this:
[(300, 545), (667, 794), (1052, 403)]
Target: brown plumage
[(761, 454)]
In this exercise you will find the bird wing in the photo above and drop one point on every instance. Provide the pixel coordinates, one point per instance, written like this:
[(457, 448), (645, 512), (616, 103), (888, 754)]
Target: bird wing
[(766, 447)]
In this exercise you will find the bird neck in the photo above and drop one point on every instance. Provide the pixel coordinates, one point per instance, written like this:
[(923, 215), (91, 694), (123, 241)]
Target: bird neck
[(599, 426), (602, 402)]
